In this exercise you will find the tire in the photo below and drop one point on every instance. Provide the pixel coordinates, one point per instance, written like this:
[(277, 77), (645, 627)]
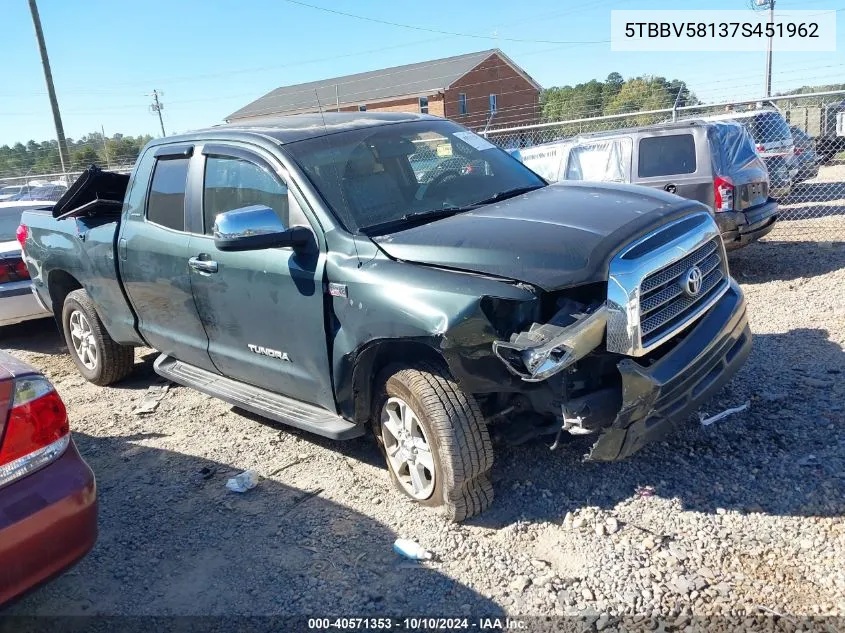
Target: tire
[(452, 426), (108, 362)]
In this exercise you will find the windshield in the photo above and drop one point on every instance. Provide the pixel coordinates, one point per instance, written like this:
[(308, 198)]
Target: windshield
[(10, 191), (378, 175)]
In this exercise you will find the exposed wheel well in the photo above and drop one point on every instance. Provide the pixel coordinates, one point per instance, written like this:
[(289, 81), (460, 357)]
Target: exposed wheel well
[(60, 284), (372, 360)]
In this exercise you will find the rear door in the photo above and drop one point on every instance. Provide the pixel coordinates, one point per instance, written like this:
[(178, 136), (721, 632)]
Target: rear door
[(263, 309), (153, 254), (677, 161)]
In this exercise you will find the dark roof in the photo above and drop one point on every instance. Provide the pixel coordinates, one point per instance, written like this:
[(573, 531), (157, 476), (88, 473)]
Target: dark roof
[(298, 127), (422, 78)]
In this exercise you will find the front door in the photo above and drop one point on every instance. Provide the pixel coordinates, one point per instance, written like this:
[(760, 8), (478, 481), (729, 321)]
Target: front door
[(263, 310), (153, 252)]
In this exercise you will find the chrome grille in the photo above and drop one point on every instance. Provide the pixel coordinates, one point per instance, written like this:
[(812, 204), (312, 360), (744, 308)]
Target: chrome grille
[(663, 303), (646, 305)]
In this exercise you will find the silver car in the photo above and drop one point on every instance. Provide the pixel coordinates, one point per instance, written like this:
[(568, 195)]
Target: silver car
[(17, 301)]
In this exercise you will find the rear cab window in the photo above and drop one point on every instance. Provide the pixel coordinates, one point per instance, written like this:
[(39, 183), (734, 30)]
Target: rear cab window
[(666, 155), (166, 199)]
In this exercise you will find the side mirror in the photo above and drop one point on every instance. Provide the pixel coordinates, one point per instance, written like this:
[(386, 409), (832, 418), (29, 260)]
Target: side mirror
[(254, 228)]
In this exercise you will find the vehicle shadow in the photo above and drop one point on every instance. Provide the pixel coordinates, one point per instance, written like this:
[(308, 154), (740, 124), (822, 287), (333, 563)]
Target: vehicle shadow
[(798, 213), (817, 192), (174, 540), (768, 260), (43, 337), (363, 449), (40, 335), (784, 456)]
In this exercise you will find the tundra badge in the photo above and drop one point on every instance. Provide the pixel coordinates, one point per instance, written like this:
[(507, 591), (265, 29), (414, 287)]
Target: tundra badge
[(266, 351)]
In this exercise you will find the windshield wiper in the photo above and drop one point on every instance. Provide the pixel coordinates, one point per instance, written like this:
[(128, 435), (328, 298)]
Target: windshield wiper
[(504, 195), (496, 197), (430, 214), (445, 212)]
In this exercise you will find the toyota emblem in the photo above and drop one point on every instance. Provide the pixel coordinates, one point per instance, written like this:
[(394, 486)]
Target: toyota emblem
[(692, 281)]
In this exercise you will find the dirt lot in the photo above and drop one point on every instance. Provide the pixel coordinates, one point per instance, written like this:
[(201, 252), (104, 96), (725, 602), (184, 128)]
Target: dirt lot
[(740, 517)]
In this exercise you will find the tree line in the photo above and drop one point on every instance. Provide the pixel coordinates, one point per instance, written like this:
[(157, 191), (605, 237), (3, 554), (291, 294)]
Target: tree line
[(33, 158), (614, 95)]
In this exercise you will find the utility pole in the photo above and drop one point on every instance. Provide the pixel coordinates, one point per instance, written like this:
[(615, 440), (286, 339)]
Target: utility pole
[(51, 91), (158, 106), (770, 4), (105, 147)]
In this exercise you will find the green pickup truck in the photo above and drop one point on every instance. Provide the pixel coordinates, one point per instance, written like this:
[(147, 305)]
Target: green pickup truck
[(298, 269)]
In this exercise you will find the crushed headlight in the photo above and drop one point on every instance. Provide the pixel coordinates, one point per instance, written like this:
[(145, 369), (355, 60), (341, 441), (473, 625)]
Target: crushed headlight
[(546, 349)]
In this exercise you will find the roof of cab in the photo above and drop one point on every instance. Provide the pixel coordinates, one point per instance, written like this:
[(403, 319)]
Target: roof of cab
[(298, 127)]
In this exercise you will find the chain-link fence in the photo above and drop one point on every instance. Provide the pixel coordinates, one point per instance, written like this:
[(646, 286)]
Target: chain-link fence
[(800, 139)]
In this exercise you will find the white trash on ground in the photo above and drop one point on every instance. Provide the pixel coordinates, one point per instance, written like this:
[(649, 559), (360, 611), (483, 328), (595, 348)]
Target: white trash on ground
[(151, 399), (247, 480), (411, 550), (705, 421)]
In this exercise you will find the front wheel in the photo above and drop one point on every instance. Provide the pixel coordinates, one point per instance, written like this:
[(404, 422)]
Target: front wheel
[(97, 356), (435, 441)]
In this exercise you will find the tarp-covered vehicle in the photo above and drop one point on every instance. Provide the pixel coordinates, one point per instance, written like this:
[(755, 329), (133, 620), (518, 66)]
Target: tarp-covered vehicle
[(713, 162)]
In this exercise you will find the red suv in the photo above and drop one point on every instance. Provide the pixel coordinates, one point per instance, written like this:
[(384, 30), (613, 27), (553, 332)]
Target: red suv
[(48, 498)]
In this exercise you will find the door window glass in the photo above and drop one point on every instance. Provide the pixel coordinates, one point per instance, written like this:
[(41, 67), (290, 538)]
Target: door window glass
[(667, 155), (233, 183), (166, 202)]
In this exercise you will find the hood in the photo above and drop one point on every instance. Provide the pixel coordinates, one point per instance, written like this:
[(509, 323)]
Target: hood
[(558, 236)]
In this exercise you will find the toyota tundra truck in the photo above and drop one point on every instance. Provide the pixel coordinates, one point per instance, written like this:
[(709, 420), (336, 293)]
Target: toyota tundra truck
[(297, 268)]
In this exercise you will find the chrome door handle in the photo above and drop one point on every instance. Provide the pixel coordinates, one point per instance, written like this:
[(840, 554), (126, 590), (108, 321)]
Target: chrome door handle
[(202, 265)]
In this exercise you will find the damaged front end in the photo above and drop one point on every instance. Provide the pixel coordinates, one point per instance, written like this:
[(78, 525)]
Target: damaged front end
[(628, 401)]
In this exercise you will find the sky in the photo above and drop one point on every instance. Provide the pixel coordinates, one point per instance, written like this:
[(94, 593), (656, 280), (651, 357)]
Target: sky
[(211, 57)]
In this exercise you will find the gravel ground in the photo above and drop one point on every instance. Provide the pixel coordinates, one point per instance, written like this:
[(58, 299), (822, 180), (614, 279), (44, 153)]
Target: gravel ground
[(744, 516)]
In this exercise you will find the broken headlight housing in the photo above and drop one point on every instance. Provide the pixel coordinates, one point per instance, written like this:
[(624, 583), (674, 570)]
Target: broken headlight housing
[(545, 349)]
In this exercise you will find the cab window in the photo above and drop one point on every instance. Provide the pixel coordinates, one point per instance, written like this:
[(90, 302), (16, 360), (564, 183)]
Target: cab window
[(234, 183), (166, 202)]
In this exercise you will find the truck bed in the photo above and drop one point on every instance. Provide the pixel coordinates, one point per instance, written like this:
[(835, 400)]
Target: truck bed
[(74, 246)]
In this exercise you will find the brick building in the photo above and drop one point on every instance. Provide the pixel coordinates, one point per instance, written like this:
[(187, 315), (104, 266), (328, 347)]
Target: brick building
[(475, 90)]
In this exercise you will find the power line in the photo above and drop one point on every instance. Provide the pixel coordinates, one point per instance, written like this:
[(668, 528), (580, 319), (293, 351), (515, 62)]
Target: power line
[(449, 33)]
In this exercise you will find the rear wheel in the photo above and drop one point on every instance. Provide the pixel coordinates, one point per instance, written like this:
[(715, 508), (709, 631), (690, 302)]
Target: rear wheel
[(434, 439), (97, 356)]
